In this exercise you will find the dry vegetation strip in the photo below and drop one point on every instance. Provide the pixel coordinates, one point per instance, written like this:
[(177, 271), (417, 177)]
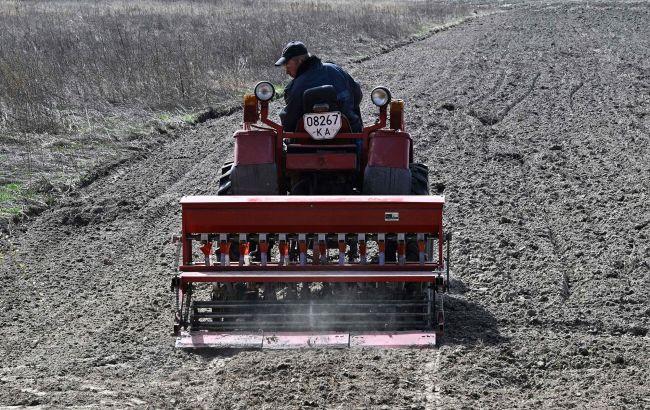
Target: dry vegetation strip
[(59, 58), (84, 83)]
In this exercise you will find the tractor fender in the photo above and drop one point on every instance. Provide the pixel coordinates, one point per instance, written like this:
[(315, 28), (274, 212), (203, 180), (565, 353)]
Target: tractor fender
[(387, 171), (254, 147), (389, 148), (254, 170)]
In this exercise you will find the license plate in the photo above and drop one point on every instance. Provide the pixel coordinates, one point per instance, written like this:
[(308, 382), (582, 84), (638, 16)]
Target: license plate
[(322, 125)]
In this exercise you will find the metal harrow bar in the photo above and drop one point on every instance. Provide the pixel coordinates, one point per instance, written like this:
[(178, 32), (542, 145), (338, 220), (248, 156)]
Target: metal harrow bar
[(315, 315)]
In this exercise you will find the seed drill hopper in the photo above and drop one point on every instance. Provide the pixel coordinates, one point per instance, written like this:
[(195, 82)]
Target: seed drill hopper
[(321, 237)]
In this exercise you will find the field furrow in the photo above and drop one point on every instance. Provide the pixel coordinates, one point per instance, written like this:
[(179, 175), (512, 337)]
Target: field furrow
[(534, 118)]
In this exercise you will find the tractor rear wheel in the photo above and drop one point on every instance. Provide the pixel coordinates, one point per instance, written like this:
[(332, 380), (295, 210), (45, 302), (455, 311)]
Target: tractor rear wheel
[(419, 179), (225, 185), (419, 186), (225, 188)]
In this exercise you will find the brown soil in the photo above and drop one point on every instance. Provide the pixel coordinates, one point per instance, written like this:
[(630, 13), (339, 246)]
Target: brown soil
[(535, 118)]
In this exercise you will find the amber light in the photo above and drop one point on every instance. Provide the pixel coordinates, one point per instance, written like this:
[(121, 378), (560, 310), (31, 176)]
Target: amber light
[(397, 115), (251, 112)]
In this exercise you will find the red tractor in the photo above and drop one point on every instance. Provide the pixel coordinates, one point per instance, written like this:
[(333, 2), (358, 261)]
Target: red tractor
[(323, 157), (321, 231)]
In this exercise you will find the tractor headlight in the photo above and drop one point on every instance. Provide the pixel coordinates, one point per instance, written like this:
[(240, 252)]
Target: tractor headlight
[(380, 96), (264, 91)]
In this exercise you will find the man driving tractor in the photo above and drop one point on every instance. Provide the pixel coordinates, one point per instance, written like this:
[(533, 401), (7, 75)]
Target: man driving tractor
[(307, 72)]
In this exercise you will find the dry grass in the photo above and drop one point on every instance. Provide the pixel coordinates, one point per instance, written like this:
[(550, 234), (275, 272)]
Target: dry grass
[(60, 58)]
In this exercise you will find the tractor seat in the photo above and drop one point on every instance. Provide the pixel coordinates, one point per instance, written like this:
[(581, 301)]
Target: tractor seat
[(320, 99)]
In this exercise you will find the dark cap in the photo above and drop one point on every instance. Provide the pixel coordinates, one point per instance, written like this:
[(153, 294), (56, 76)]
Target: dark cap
[(293, 49)]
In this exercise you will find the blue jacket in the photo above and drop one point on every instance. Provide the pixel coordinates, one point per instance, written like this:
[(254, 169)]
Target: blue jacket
[(313, 73)]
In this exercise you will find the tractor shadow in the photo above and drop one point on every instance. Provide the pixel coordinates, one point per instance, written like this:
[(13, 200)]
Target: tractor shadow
[(466, 322)]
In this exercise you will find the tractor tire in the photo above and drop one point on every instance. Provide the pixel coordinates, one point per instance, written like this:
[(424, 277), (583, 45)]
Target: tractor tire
[(225, 188), (225, 184), (419, 179), (257, 179), (386, 181), (419, 186)]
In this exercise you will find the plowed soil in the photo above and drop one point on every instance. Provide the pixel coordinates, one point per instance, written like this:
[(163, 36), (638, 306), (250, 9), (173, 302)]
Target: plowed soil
[(535, 118)]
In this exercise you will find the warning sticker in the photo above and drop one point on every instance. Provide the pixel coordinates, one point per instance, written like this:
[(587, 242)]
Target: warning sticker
[(391, 216)]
